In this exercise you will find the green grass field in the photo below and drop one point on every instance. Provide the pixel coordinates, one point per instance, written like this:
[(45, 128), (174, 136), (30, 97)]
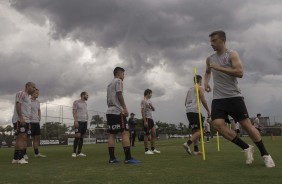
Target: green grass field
[(173, 165)]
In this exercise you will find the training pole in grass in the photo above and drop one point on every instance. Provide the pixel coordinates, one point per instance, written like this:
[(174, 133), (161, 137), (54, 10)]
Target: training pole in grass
[(217, 140), (199, 112)]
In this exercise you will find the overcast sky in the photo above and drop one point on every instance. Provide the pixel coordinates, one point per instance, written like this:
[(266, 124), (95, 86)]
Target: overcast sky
[(69, 46)]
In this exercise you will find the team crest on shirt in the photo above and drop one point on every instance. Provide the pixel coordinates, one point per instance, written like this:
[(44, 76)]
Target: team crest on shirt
[(22, 129), (224, 61)]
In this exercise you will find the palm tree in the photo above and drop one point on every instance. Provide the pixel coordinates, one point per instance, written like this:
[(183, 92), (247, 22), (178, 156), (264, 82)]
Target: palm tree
[(97, 120)]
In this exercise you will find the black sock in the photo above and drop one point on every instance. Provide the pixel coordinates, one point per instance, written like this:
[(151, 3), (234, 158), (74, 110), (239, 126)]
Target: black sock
[(239, 142), (152, 148), (127, 153), (261, 148), (196, 148), (75, 142), (16, 155), (189, 142), (146, 149), (20, 154), (36, 151), (112, 153), (80, 144)]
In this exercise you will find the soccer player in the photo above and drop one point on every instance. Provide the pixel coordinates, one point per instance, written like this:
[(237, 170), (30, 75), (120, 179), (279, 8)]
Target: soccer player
[(116, 118), (35, 123), (226, 67), (257, 123), (21, 119), (193, 114), (207, 129), (132, 124), (80, 116), (237, 128), (149, 125)]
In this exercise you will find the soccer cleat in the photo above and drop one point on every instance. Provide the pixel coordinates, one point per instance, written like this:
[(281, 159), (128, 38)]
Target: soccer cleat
[(22, 161), (81, 155), (268, 161), (73, 155), (132, 161), (198, 153), (39, 155), (149, 152), (249, 154), (25, 157), (156, 151), (114, 161), (15, 161), (187, 148)]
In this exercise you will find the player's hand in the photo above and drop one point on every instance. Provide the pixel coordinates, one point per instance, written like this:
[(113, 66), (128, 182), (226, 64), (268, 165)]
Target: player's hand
[(125, 112), (207, 88), (75, 124), (215, 66), (22, 121), (145, 123)]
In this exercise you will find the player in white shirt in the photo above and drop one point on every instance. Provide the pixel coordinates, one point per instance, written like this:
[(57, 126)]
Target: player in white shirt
[(149, 125), (80, 116), (35, 123), (207, 129), (21, 120)]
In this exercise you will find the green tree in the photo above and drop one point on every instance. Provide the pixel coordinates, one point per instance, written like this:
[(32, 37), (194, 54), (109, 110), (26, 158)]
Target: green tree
[(53, 130), (98, 121)]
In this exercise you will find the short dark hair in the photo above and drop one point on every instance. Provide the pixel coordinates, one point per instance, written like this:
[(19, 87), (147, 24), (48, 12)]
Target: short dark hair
[(197, 79), (28, 84), (83, 93), (220, 33), (258, 115), (147, 91), (118, 69)]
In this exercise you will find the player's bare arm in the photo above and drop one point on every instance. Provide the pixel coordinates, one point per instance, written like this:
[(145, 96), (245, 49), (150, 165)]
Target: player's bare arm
[(203, 99), (19, 112), (207, 76), (236, 70), (144, 117), (74, 112), (122, 103)]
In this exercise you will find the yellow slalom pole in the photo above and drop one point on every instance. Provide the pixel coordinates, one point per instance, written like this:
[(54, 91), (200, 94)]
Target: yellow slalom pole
[(217, 140), (199, 110)]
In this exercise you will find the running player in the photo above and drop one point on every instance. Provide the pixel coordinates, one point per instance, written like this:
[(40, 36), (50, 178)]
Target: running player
[(149, 125), (226, 67), (193, 114), (80, 116), (21, 119), (116, 118)]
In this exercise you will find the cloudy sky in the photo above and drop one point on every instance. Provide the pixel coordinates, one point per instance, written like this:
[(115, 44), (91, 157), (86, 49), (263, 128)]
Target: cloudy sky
[(69, 46)]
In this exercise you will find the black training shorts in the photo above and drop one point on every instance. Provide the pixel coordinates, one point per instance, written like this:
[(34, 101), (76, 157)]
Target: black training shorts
[(234, 107), (82, 127), (35, 129), (116, 123), (151, 124), (194, 121), (21, 129)]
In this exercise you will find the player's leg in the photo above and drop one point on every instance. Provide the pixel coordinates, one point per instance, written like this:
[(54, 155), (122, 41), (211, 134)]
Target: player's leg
[(153, 140), (83, 128)]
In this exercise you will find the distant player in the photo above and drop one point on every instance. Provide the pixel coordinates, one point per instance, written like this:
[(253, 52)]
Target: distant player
[(237, 128), (225, 66), (21, 120), (207, 129), (116, 118), (35, 123), (257, 124), (149, 125), (80, 116), (193, 114), (132, 124)]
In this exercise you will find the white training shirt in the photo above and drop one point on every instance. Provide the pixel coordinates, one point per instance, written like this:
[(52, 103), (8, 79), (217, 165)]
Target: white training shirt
[(35, 107), (23, 98), (114, 106), (145, 104), (80, 107)]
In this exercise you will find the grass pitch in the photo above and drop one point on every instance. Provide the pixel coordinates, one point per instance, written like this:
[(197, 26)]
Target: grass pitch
[(173, 165)]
